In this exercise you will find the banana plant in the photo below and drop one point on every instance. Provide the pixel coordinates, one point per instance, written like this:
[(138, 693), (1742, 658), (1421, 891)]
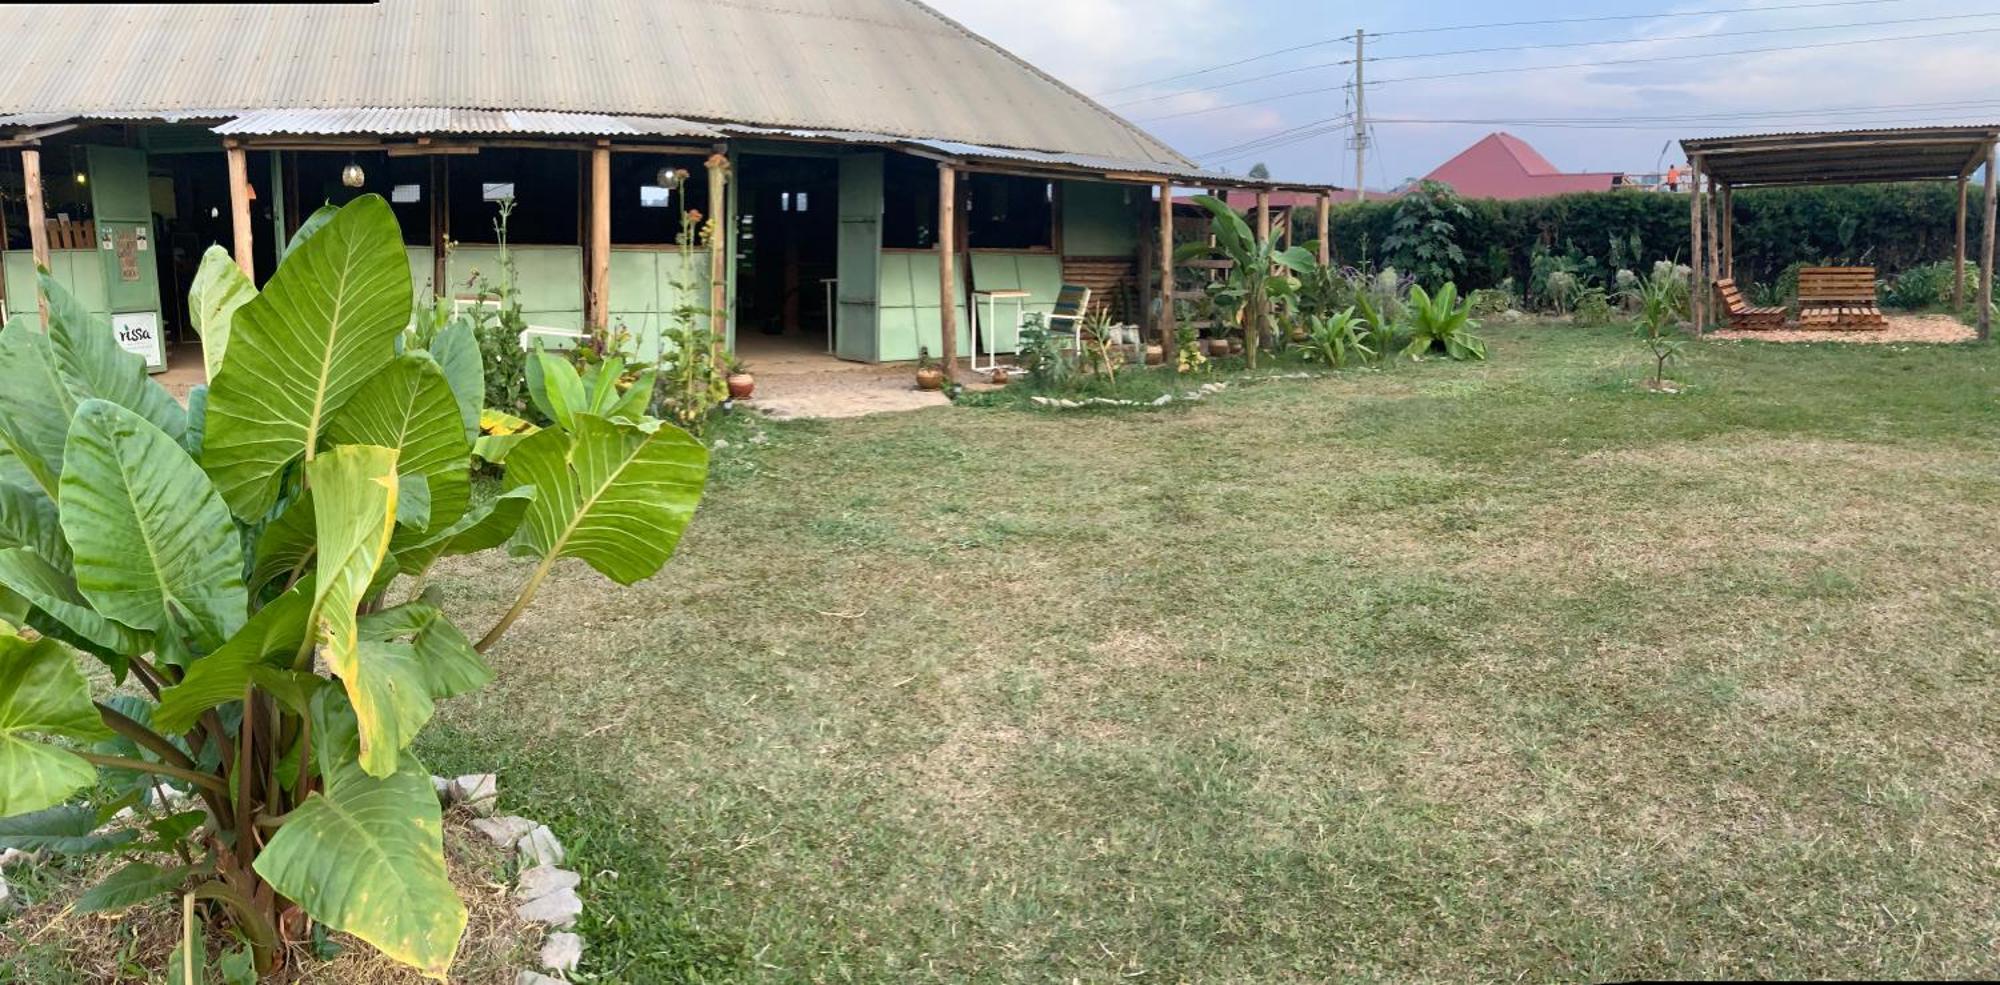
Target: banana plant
[(248, 568), (1259, 270)]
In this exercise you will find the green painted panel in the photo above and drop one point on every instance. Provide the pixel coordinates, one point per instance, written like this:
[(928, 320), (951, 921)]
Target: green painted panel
[(1102, 219), (635, 280), (911, 279), (421, 270), (18, 267), (859, 260), (1040, 275), (121, 198), (82, 272), (118, 186), (549, 278)]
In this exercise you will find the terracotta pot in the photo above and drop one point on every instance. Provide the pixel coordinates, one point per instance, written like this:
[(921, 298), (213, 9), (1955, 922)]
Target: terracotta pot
[(999, 376), (741, 385), (1235, 347), (1155, 355), (930, 379)]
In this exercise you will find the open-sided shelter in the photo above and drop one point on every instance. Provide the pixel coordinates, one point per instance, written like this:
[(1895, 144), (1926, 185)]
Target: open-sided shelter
[(1720, 165), (866, 164)]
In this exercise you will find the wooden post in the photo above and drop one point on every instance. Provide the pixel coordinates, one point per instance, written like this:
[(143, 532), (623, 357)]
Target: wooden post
[(947, 240), (239, 207), (1958, 268), (1697, 284), (1986, 245), (1325, 229), (440, 225), (1263, 215), (38, 223), (1167, 329), (600, 236), (1729, 231), (718, 252), (1711, 227)]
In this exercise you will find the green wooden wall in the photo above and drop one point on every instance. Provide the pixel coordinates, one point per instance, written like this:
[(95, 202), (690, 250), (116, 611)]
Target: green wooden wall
[(80, 271), (1102, 220)]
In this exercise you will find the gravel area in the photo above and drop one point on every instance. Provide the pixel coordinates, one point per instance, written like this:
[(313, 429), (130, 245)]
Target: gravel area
[(1901, 328)]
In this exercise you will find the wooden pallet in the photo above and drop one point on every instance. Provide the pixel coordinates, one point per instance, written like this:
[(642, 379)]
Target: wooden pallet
[(1742, 314), (1839, 297)]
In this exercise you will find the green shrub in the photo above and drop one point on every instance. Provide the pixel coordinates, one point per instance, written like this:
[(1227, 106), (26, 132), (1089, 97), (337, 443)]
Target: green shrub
[(1593, 307)]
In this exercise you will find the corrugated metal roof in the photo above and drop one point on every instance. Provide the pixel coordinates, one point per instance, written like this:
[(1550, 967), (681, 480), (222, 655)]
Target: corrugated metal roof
[(882, 66), (1934, 153), (466, 121)]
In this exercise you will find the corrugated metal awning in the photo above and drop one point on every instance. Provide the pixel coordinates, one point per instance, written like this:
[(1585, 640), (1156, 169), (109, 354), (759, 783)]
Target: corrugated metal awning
[(428, 122)]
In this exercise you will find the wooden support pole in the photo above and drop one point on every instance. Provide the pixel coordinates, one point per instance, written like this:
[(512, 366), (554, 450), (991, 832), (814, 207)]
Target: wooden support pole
[(600, 237), (1711, 228), (1167, 330), (718, 252), (1729, 231), (1263, 215), (947, 246), (1986, 245), (1325, 229), (38, 223), (239, 207), (1697, 280), (1958, 268), (440, 226)]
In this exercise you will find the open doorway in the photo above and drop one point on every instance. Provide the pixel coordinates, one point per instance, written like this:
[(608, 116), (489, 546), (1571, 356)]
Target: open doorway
[(788, 233)]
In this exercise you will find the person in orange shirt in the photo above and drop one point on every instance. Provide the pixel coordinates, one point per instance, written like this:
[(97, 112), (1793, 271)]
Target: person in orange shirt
[(1674, 178)]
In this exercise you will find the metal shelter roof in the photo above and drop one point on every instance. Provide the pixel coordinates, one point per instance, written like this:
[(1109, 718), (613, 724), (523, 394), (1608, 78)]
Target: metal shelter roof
[(891, 67), (1843, 156)]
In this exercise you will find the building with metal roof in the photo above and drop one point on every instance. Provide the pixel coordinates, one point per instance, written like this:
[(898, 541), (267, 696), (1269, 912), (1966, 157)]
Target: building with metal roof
[(1503, 166), (819, 137)]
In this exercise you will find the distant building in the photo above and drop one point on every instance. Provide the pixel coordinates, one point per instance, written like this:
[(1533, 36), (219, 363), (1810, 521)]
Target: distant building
[(1502, 165)]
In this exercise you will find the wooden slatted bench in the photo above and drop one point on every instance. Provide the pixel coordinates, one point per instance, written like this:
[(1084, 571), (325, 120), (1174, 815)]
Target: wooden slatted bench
[(1741, 314), (1839, 297)]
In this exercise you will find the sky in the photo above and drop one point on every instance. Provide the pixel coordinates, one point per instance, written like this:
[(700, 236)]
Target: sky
[(1916, 62)]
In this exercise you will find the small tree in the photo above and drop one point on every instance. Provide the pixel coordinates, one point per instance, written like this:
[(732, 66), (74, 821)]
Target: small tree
[(233, 562), (1662, 301), (1259, 270), (1423, 237)]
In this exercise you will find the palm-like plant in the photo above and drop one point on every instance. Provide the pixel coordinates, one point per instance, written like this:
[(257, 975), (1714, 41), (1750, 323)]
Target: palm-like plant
[(1662, 301), (1442, 323), (1334, 339), (1259, 270)]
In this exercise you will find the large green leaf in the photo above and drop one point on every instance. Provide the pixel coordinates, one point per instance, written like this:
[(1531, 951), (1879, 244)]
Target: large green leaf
[(60, 610), (456, 349), (220, 287), (409, 406), (322, 327), (272, 637), (36, 402), (95, 365), (132, 884), (42, 692), (616, 494), (450, 665), (480, 529), (366, 855), (154, 546), (285, 546), (69, 830), (354, 492), (28, 519)]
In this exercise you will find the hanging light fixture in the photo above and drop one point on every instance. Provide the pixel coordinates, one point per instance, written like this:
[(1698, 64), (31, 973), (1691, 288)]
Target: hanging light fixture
[(82, 179), (352, 176)]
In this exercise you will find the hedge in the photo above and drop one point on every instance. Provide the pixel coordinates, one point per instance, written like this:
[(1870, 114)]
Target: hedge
[(1891, 227)]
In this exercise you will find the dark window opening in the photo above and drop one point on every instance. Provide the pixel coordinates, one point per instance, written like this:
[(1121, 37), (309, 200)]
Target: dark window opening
[(649, 193), (321, 179), (909, 203), (1005, 212), (542, 184)]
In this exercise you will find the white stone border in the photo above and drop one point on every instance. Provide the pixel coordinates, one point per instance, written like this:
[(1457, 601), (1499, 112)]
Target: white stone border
[(544, 892)]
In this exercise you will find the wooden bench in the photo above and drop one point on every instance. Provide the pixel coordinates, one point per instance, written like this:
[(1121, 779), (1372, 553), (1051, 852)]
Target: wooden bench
[(1839, 297), (1741, 314)]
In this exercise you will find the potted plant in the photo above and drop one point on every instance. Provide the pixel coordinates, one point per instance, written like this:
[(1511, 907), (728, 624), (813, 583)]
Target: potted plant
[(930, 376), (741, 383)]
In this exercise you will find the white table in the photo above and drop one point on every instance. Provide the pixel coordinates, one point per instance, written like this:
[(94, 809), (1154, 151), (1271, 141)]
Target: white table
[(1020, 299)]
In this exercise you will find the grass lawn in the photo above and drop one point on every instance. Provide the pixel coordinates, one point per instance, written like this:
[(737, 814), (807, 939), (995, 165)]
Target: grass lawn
[(1446, 672)]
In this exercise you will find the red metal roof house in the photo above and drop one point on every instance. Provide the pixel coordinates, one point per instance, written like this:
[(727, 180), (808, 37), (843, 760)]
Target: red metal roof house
[(1502, 165)]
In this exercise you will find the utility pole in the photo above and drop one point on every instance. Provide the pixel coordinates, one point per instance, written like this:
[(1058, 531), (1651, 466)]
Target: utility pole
[(1360, 140)]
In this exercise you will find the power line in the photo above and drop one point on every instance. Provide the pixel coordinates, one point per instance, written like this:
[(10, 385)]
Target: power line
[(1631, 17), (1563, 44), (1571, 65), (1468, 27)]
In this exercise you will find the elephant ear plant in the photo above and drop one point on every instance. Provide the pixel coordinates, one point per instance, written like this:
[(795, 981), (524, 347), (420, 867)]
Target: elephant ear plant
[(231, 570)]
